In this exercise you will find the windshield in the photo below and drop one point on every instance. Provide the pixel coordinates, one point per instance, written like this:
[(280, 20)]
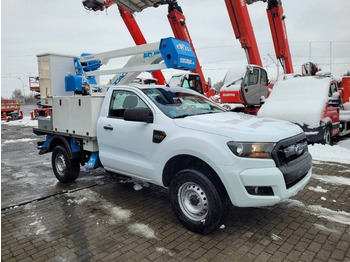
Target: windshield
[(176, 104), (175, 80), (234, 76), (237, 82)]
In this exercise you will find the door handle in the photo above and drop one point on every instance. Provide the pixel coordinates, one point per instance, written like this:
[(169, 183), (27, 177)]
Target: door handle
[(108, 127)]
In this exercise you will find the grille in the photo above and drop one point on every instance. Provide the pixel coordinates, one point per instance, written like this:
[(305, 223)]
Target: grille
[(290, 149), (292, 152), (293, 159)]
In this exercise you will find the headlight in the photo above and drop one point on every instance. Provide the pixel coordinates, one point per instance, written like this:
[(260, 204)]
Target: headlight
[(253, 150)]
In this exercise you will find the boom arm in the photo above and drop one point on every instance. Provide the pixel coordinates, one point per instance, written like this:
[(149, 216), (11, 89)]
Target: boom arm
[(243, 29), (138, 37), (279, 34), (178, 24), (130, 23), (175, 16)]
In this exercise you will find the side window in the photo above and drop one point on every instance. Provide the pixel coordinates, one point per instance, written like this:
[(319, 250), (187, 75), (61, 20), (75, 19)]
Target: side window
[(263, 78), (185, 83), (252, 78), (332, 89), (122, 100)]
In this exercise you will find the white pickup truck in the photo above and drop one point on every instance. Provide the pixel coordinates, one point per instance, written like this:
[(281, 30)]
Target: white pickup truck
[(177, 138)]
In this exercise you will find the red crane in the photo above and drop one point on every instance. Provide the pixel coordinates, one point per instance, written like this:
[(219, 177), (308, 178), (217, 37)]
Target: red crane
[(243, 29), (279, 34), (244, 91), (138, 37)]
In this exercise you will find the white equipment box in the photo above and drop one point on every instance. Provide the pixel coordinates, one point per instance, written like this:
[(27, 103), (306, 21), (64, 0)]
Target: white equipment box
[(76, 115), (52, 70)]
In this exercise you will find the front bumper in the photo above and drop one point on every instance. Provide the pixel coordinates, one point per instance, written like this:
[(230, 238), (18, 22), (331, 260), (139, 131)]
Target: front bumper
[(269, 177), (256, 182)]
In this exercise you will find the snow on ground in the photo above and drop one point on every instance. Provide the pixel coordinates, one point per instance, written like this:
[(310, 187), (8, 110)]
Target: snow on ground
[(138, 183), (165, 251), (334, 216), (19, 140), (115, 215), (319, 211), (141, 230), (22, 122), (318, 189), (337, 153), (37, 227), (326, 229), (334, 180), (275, 237)]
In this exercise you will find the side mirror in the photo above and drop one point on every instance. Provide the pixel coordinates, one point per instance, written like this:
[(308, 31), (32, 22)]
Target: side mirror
[(334, 100), (138, 115), (209, 83), (250, 68), (335, 95)]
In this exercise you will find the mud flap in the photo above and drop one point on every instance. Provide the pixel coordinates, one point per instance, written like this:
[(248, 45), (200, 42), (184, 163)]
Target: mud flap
[(94, 161)]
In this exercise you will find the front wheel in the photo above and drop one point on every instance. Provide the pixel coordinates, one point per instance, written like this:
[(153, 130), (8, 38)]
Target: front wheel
[(327, 136), (196, 201), (66, 170)]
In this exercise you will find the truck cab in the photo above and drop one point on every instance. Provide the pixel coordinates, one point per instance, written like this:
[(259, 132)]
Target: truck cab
[(188, 80), (244, 88)]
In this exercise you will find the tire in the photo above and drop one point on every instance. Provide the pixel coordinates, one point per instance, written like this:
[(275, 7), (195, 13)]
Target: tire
[(327, 136), (197, 202), (66, 170)]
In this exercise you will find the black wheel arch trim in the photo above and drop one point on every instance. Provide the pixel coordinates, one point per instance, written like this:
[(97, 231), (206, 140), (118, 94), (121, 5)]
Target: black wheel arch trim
[(63, 141)]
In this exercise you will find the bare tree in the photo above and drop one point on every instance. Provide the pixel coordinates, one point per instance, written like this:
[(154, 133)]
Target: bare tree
[(17, 93), (218, 85)]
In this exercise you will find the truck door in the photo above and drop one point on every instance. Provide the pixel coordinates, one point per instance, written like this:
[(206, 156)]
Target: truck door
[(254, 85), (125, 146), (332, 109)]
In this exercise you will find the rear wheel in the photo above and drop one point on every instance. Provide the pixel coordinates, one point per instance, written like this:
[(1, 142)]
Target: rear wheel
[(196, 201), (66, 170)]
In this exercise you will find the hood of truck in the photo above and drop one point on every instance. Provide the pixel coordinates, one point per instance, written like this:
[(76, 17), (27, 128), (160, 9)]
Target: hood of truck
[(240, 127)]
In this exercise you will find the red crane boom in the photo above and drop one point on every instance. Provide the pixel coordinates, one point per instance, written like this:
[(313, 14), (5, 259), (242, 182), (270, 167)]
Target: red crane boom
[(138, 37), (178, 24), (243, 29), (279, 34)]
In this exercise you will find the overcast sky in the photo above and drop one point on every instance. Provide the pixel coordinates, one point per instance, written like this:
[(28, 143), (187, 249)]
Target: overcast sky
[(317, 29)]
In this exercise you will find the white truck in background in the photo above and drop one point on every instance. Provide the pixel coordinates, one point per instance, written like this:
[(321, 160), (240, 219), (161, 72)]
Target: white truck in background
[(172, 137)]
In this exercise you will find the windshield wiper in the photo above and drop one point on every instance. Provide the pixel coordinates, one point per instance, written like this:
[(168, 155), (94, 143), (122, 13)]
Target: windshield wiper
[(204, 113), (185, 115), (182, 116)]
